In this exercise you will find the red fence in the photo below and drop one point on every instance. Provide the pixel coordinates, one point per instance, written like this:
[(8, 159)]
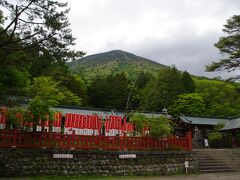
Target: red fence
[(21, 139)]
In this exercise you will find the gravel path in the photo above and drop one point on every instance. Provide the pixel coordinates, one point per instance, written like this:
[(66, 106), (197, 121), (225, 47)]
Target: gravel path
[(217, 176)]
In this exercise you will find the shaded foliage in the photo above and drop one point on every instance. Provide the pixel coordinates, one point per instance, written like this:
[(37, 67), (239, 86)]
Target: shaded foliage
[(188, 83), (160, 92), (110, 92)]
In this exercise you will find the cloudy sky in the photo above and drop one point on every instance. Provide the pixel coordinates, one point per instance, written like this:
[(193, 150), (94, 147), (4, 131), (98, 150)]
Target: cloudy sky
[(171, 32)]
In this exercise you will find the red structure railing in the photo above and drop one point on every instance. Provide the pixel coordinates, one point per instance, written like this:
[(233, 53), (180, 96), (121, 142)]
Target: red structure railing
[(20, 139)]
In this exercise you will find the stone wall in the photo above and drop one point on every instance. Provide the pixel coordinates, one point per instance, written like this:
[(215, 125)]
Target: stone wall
[(38, 162)]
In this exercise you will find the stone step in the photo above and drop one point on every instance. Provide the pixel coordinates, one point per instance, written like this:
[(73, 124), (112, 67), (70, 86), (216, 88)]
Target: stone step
[(217, 170), (224, 159), (215, 161), (211, 164), (227, 154), (214, 167), (220, 153)]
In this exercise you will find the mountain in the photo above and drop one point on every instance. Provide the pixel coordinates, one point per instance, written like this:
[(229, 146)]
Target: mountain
[(113, 62)]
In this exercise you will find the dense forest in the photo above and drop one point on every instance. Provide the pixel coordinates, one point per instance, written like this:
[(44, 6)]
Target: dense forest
[(35, 66)]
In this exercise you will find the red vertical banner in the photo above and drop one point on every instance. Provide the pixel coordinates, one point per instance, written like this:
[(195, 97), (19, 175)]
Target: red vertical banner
[(131, 127), (114, 122), (46, 123), (81, 121), (95, 122), (89, 121), (107, 124), (67, 120), (59, 119), (1, 118), (85, 122), (111, 122), (72, 120), (99, 124), (78, 121), (55, 122), (82, 124), (68, 123), (119, 122), (1, 121), (73, 123)]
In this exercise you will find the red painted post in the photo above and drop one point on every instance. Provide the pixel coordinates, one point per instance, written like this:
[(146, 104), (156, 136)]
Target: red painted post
[(73, 140), (14, 144), (3, 138), (44, 139), (189, 140)]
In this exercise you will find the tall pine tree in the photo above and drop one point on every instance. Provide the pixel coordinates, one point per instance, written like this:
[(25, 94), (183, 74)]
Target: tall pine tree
[(188, 83)]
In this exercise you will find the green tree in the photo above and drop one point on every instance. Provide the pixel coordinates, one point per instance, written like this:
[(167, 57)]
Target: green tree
[(119, 89), (41, 24), (188, 83), (191, 104), (142, 79), (223, 103), (98, 92), (110, 92), (140, 121), (73, 83), (35, 41), (13, 80), (70, 98), (45, 94), (159, 93), (215, 137), (160, 127), (229, 46)]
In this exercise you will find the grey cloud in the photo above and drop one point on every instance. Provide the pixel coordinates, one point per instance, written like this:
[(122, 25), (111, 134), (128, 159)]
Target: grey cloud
[(182, 45), (186, 49)]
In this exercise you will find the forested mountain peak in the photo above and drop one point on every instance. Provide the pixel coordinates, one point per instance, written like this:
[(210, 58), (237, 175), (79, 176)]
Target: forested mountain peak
[(110, 55), (115, 61)]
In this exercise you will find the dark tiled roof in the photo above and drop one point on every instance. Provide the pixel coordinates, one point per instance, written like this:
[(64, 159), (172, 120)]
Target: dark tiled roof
[(233, 123), (203, 120), (99, 111)]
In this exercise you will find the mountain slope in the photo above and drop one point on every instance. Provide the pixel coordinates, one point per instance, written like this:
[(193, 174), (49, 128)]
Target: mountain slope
[(114, 62)]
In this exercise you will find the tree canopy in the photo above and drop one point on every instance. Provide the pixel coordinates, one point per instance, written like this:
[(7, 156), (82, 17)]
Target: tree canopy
[(229, 47), (160, 92), (192, 104), (188, 84), (41, 24), (36, 40), (110, 92)]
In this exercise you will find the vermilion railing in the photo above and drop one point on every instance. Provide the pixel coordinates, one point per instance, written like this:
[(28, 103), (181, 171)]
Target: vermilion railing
[(22, 139)]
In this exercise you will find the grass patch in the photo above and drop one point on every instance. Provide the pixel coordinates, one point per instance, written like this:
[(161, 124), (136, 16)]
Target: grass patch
[(71, 177)]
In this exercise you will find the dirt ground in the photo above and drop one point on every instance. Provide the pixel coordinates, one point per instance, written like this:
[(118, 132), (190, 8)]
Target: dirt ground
[(213, 176)]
